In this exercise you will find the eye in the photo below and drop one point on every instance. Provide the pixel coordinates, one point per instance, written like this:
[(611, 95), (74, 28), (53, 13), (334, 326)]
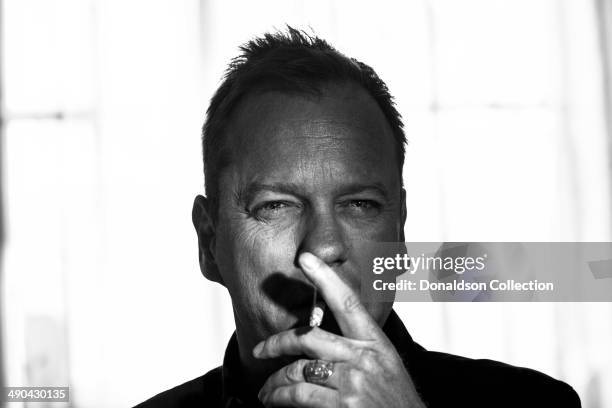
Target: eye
[(363, 207), (270, 210), (363, 204), (273, 206)]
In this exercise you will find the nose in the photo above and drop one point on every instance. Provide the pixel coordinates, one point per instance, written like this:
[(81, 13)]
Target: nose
[(324, 237)]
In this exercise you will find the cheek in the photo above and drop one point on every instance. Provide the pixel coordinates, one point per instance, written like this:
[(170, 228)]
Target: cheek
[(249, 253), (383, 229), (251, 256)]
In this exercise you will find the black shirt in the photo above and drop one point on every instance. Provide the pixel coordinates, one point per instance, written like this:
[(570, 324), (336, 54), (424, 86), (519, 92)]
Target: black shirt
[(442, 380)]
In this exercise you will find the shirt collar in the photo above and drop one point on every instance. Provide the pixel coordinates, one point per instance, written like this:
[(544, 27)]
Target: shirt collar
[(232, 377)]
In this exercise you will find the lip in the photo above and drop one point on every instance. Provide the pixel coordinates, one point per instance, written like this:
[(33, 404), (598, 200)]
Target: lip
[(287, 292), (295, 297)]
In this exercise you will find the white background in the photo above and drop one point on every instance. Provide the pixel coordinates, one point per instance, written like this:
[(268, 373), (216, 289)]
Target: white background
[(104, 100)]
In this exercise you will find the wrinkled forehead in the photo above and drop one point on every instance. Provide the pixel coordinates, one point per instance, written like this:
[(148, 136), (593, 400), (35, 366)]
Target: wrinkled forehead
[(343, 125), (336, 103)]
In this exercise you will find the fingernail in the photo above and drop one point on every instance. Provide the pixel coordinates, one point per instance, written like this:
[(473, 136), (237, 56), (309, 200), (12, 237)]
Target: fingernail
[(257, 350), (308, 260)]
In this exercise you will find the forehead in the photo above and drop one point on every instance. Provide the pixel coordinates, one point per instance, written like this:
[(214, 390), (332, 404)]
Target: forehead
[(341, 132)]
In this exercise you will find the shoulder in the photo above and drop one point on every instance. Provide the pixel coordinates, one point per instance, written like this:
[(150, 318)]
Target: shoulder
[(443, 378), (204, 391)]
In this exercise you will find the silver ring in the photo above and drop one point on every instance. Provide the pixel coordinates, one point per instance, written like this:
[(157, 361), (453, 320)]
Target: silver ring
[(318, 371)]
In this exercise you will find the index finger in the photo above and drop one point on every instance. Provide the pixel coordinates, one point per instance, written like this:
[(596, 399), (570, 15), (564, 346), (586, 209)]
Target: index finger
[(352, 317)]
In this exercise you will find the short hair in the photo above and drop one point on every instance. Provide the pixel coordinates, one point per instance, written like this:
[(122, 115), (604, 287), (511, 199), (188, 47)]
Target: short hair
[(292, 62)]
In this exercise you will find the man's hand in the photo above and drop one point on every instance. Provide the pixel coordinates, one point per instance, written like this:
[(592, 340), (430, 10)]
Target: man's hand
[(367, 371)]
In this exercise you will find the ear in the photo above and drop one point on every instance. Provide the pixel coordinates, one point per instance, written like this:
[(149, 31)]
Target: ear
[(202, 218), (403, 211)]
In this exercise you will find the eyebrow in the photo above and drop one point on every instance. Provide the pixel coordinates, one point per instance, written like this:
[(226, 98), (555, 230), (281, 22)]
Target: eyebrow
[(356, 188), (247, 194)]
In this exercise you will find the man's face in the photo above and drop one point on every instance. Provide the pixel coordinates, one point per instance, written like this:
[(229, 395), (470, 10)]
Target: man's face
[(306, 174)]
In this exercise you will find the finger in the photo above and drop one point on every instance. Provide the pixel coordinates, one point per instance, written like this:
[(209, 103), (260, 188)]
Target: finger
[(316, 343), (300, 395), (294, 373), (352, 317)]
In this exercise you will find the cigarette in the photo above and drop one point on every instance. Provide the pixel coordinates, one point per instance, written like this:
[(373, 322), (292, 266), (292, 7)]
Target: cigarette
[(318, 308)]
